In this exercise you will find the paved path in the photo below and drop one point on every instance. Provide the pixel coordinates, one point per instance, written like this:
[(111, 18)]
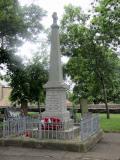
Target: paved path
[(107, 149)]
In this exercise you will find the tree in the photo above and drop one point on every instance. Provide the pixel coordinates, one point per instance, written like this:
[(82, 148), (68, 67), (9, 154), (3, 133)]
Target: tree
[(10, 22), (17, 24), (19, 81), (91, 65), (9, 62), (38, 76), (104, 70), (107, 21), (114, 91), (27, 83)]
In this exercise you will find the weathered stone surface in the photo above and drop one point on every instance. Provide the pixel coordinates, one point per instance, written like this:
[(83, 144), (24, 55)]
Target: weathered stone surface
[(67, 145), (84, 106), (55, 105), (67, 134)]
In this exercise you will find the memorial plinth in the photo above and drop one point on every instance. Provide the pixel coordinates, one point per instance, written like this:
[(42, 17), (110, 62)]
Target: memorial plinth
[(56, 88)]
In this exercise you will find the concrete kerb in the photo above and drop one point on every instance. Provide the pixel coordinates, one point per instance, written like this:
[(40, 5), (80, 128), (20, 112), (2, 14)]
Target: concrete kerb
[(67, 145)]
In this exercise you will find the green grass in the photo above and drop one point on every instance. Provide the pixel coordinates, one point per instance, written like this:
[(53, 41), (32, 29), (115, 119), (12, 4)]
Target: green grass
[(110, 125), (33, 113)]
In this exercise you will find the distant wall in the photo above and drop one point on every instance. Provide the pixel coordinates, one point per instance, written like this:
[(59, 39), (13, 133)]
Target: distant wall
[(100, 108), (4, 96), (94, 108), (1, 92), (6, 92)]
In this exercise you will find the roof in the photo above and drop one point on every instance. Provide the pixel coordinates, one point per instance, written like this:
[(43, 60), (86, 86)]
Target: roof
[(68, 103)]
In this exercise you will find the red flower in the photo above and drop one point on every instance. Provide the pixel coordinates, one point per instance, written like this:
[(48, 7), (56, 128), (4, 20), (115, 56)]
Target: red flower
[(51, 123)]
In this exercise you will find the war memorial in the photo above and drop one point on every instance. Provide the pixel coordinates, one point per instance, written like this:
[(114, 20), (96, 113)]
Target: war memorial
[(56, 130)]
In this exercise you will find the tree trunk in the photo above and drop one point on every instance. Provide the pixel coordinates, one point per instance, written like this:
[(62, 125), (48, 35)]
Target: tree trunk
[(81, 108), (105, 100), (39, 109), (24, 108), (2, 42), (107, 109)]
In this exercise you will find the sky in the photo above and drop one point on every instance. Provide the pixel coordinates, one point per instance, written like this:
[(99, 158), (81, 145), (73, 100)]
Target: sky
[(57, 6), (50, 6)]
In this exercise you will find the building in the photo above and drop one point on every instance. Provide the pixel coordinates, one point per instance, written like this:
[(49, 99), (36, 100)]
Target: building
[(4, 96)]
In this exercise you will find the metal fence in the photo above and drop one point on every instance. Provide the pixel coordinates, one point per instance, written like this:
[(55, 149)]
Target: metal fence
[(89, 126), (19, 126), (34, 128)]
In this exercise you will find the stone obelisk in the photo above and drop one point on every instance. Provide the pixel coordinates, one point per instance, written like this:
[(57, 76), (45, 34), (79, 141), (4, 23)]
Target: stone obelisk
[(55, 105)]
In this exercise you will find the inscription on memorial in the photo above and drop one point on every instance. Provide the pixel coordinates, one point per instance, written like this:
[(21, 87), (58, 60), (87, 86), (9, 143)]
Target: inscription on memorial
[(55, 100)]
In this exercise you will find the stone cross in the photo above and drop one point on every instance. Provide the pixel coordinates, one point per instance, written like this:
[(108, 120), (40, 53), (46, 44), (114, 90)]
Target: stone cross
[(55, 18), (55, 87)]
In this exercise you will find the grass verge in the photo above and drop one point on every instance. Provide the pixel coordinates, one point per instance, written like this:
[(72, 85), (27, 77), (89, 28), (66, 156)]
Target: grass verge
[(110, 125)]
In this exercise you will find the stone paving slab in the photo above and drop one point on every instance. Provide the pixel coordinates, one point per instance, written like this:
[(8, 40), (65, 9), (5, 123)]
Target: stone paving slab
[(107, 149)]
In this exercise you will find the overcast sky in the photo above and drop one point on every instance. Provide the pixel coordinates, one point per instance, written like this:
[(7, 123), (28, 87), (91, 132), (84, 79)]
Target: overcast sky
[(50, 6), (57, 6)]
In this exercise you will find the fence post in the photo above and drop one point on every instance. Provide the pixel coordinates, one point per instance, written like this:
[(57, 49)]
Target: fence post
[(4, 128), (39, 130)]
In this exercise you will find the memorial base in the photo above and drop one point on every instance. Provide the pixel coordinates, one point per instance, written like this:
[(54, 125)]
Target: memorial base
[(67, 134)]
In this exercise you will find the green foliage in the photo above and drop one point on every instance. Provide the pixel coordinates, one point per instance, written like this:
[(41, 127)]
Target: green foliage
[(27, 82), (12, 61), (10, 22), (107, 21), (115, 87), (32, 17), (38, 76), (17, 24), (92, 65), (20, 86), (73, 15)]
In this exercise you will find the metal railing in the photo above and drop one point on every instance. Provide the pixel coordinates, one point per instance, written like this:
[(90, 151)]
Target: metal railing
[(18, 126), (89, 126), (34, 128)]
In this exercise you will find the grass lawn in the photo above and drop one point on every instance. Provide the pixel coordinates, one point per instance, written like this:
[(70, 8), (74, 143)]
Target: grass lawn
[(33, 114), (110, 125)]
